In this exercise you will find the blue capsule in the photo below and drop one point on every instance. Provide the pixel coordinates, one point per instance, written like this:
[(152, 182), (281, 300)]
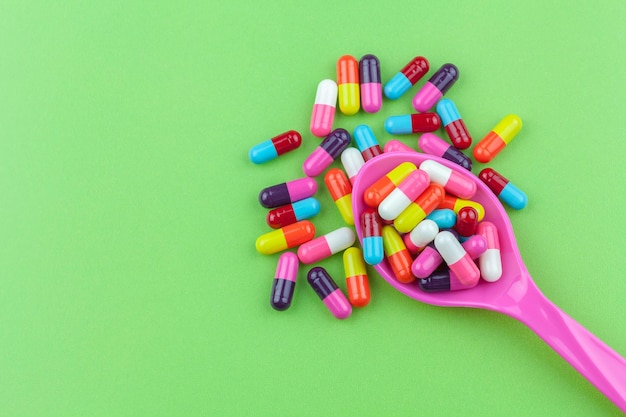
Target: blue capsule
[(366, 142), (274, 147), (445, 218)]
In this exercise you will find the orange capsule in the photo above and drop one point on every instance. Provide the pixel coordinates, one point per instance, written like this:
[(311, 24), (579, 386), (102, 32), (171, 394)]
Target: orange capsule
[(348, 93), (421, 207), (285, 237), (377, 192), (455, 204), (397, 255), (357, 282), (340, 190)]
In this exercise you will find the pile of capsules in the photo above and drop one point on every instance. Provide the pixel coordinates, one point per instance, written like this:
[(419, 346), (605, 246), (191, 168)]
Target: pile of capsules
[(418, 218)]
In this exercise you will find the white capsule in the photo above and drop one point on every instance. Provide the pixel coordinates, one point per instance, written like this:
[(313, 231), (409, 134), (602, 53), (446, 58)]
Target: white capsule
[(327, 245), (490, 261), (449, 247), (452, 181), (403, 195), (352, 161), (424, 233), (324, 108)]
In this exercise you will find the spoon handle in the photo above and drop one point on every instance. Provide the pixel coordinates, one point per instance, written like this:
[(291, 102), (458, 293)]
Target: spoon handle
[(595, 360)]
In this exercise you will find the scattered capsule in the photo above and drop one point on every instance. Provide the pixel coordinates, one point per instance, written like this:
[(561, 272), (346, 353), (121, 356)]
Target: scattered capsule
[(466, 222), (429, 259), (457, 258), (327, 245), (291, 213), (455, 204), (371, 227), (377, 192), (399, 199), (340, 190), (371, 88), (454, 125), (324, 108), (453, 182), (503, 188), (445, 218), (421, 235), (357, 282), (326, 289), (433, 145), (274, 147), (497, 138), (443, 280), (287, 192), (348, 85), (285, 238), (407, 77), (284, 281), (352, 161), (421, 207), (330, 148), (397, 255), (491, 261), (366, 142), (435, 87), (412, 123), (394, 145)]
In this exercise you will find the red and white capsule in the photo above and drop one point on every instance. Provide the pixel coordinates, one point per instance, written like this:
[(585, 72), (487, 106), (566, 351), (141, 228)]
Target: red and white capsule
[(490, 261), (327, 245), (403, 195), (452, 181), (457, 258)]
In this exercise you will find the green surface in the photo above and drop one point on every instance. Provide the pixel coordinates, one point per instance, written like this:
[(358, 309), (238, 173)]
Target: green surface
[(129, 282)]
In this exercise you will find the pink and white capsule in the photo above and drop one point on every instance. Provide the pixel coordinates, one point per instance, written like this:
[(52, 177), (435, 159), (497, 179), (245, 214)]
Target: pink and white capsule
[(403, 195), (394, 145), (324, 108), (429, 259), (324, 246), (452, 181), (421, 235), (490, 262), (457, 258), (352, 161)]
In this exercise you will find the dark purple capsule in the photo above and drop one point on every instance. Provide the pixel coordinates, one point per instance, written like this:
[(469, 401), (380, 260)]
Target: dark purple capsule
[(458, 157), (442, 280), (287, 192), (336, 142), (435, 88), (434, 145), (329, 293), (369, 69), (284, 281), (445, 77)]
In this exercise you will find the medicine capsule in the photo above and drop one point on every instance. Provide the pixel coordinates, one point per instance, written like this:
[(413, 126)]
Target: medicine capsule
[(340, 190), (412, 123), (429, 259), (324, 246), (433, 145), (454, 125), (443, 280), (491, 261), (457, 258), (435, 87), (366, 142), (452, 181), (326, 289), (377, 192), (285, 238), (394, 145), (371, 87), (397, 255), (399, 199), (371, 227), (455, 204), (287, 192), (284, 282), (352, 161), (421, 235), (357, 281), (466, 222), (445, 218), (497, 138), (421, 207), (272, 148), (348, 85), (291, 213), (503, 188), (330, 148), (324, 108), (407, 77)]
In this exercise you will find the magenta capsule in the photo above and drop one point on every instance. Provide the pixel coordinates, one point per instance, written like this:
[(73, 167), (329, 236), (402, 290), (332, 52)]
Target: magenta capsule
[(429, 259), (443, 280), (371, 88), (452, 181), (491, 261), (324, 246), (395, 145), (287, 192), (284, 281), (324, 108), (327, 290), (435, 88), (457, 259), (433, 145), (330, 148)]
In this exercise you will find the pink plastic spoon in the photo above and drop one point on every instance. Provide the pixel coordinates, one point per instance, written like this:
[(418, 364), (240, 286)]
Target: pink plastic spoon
[(514, 294)]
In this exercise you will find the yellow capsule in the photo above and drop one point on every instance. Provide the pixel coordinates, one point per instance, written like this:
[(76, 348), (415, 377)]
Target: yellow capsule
[(421, 207), (353, 263), (497, 139), (397, 255), (377, 192), (348, 90), (508, 127), (357, 282), (340, 190), (344, 204), (285, 237), (455, 204)]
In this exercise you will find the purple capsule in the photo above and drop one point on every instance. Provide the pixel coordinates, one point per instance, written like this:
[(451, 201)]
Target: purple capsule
[(371, 87), (330, 149), (329, 293), (287, 192), (442, 280), (432, 144), (435, 87)]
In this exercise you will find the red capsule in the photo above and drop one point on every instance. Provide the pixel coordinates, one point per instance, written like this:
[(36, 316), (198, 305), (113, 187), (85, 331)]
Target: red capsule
[(466, 221)]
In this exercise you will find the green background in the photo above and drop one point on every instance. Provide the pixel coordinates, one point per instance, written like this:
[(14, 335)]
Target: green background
[(129, 282)]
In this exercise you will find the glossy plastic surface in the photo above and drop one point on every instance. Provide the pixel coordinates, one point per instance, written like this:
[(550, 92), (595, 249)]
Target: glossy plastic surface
[(434, 145), (454, 124), (274, 147), (371, 87), (357, 282), (437, 86), (366, 142), (323, 113), (496, 140), (294, 212), (348, 92), (514, 294), (407, 124), (331, 147), (503, 188), (284, 282), (340, 190), (327, 290), (407, 77)]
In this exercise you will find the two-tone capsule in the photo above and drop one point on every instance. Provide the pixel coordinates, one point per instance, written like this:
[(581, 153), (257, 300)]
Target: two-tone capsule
[(453, 124), (457, 258), (340, 190), (435, 87), (331, 147), (377, 192), (497, 139), (455, 204), (352, 161), (421, 235), (327, 245), (371, 228), (397, 255), (327, 290), (442, 280), (429, 259), (366, 142), (491, 261), (357, 282), (406, 78), (274, 147), (433, 145), (284, 282), (324, 108), (452, 181), (348, 93), (421, 207), (287, 192), (412, 123), (291, 213), (503, 188), (445, 218), (371, 87), (285, 238), (403, 195)]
